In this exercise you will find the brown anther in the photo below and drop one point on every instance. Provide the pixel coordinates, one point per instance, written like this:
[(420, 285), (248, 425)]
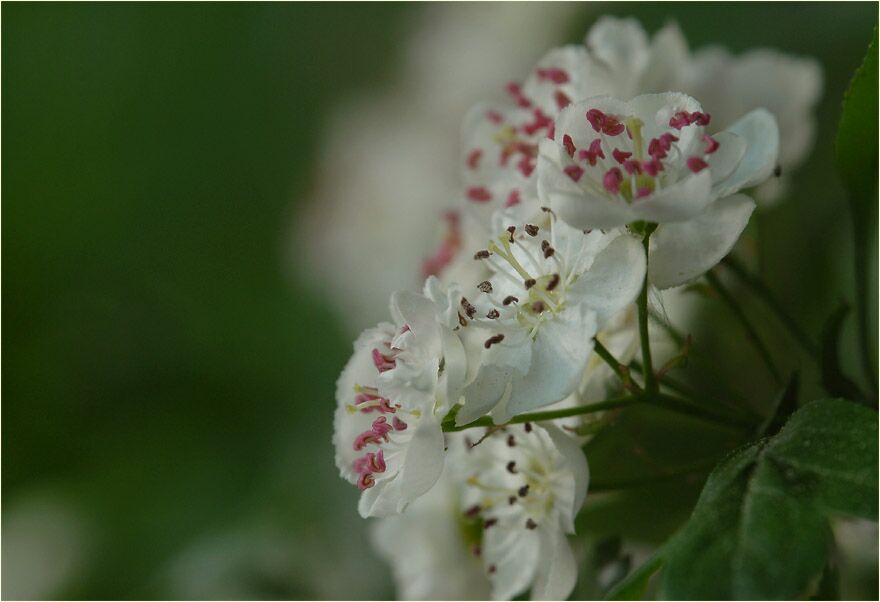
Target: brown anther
[(485, 286), (490, 522), (494, 313), (530, 283), (483, 254), (476, 551), (511, 441), (777, 171), (538, 307), (469, 309), (545, 244), (492, 340), (461, 320), (492, 568), (549, 252), (511, 500), (528, 427), (472, 511), (511, 467), (531, 230), (530, 524), (523, 491), (509, 299), (511, 230), (554, 282)]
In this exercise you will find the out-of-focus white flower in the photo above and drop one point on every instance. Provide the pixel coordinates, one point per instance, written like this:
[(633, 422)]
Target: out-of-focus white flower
[(525, 484), (430, 547), (649, 159), (551, 288), (391, 397)]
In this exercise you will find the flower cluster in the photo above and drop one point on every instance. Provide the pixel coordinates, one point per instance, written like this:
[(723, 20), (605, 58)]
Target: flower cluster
[(580, 193)]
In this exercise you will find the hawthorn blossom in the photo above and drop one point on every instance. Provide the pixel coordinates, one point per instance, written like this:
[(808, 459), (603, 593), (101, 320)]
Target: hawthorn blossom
[(550, 290), (525, 484), (391, 397), (650, 160)]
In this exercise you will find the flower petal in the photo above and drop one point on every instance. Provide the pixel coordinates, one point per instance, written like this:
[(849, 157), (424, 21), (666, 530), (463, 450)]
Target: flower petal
[(682, 201), (577, 463), (761, 134), (488, 389), (731, 149), (556, 574), (681, 252), (423, 463)]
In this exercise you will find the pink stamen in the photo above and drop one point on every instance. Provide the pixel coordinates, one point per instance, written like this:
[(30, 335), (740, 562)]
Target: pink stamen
[(448, 249), (643, 192), (652, 167), (680, 120), (365, 481), (700, 118), (620, 156), (473, 158), (574, 172), (596, 119), (595, 151), (515, 90), (711, 144), (696, 165), (525, 166), (494, 116), (399, 425), (479, 194), (569, 145), (382, 362), (381, 428), (632, 166), (551, 131), (562, 100), (612, 179), (613, 127), (540, 121), (553, 74), (513, 199), (366, 438)]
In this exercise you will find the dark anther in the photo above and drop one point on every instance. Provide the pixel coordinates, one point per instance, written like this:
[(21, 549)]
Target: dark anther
[(490, 522), (511, 467), (528, 427), (469, 309), (511, 500), (554, 282), (510, 299), (492, 340), (777, 171), (461, 320), (530, 524), (472, 511), (511, 230), (548, 252), (529, 283), (484, 254), (523, 491), (531, 230), (538, 307), (485, 286), (545, 244), (492, 568), (511, 441), (493, 314)]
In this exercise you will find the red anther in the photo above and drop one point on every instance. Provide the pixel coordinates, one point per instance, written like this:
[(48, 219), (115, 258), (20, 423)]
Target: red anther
[(569, 145), (655, 149), (540, 121), (679, 120), (382, 362), (526, 166), (631, 166), (381, 428), (595, 151), (700, 118), (643, 192), (365, 439), (479, 194), (473, 158), (652, 167), (399, 425), (613, 127), (562, 100), (553, 74), (513, 198), (596, 119), (377, 461), (365, 481), (574, 172), (620, 156), (696, 165), (667, 138), (515, 90), (711, 144), (494, 116), (612, 179), (551, 131)]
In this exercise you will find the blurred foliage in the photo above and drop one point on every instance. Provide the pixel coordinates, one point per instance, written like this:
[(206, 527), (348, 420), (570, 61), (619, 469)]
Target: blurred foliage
[(165, 377)]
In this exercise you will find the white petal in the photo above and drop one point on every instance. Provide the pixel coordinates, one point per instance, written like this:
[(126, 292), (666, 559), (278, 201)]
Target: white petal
[(488, 389), (761, 134), (725, 159), (556, 574), (417, 312), (621, 45), (577, 463), (669, 55), (515, 554), (382, 499), (561, 350), (423, 463), (680, 202), (681, 252), (614, 279)]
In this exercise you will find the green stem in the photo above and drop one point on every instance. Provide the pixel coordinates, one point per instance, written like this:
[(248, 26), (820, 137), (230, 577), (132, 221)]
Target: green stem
[(751, 333), (763, 292), (650, 378), (601, 406), (615, 365)]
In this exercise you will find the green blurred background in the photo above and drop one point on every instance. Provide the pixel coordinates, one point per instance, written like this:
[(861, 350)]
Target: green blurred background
[(168, 385)]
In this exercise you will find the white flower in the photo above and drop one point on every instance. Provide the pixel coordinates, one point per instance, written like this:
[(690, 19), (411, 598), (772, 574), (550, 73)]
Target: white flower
[(649, 159), (430, 546), (391, 397), (526, 483), (551, 288)]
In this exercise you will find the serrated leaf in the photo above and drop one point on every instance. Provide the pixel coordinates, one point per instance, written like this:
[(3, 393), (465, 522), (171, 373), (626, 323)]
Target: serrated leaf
[(760, 529)]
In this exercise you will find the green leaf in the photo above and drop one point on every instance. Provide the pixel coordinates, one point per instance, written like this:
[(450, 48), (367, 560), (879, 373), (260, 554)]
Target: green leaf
[(760, 528), (784, 406), (857, 156), (833, 379), (634, 586)]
